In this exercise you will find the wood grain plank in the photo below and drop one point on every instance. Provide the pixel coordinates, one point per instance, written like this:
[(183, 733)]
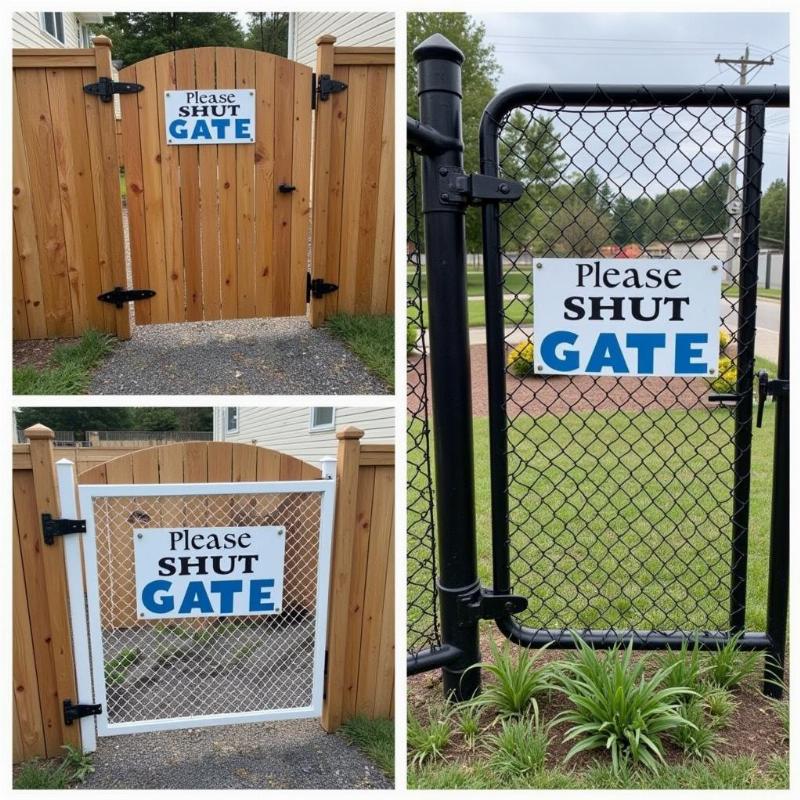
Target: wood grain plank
[(245, 463), (19, 322), (268, 465), (220, 462), (384, 691), (301, 180)]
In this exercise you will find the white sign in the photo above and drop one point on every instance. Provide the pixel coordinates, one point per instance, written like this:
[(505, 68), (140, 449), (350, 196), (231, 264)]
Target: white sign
[(210, 116), (626, 316), (208, 572)]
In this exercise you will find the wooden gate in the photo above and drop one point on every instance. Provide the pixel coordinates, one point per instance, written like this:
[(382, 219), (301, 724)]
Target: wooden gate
[(215, 230)]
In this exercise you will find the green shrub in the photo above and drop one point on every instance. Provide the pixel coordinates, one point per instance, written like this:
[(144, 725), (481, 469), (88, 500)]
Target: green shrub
[(720, 706), (427, 742), (617, 708), (687, 667), (518, 681), (697, 738), (412, 335), (468, 723), (728, 666), (519, 748)]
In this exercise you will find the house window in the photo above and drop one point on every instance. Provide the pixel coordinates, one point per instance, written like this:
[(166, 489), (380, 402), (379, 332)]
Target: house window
[(231, 420), (52, 22), (85, 36), (322, 419)]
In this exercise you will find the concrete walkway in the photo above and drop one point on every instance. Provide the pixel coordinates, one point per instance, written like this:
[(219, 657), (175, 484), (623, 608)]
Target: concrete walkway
[(295, 754)]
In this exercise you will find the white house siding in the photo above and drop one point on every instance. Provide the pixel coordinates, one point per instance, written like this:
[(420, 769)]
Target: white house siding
[(354, 29), (287, 429), (26, 31)]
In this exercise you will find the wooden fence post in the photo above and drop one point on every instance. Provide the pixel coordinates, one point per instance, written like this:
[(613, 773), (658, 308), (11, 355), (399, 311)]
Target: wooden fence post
[(347, 469), (323, 118), (59, 638)]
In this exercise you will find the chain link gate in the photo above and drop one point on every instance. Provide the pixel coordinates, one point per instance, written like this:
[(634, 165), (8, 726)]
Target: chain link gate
[(620, 506), (221, 665)]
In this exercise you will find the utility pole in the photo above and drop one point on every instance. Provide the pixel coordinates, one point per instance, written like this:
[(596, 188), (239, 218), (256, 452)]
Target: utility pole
[(733, 204)]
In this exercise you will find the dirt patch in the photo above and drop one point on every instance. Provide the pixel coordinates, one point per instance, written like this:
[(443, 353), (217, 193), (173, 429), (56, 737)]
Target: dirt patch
[(560, 395), (754, 729), (37, 352)]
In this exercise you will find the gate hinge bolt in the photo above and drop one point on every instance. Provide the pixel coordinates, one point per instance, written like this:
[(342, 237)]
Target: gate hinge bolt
[(443, 171), (444, 196), (504, 188)]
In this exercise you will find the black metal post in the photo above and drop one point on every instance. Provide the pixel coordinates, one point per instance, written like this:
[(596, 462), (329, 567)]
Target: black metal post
[(746, 340), (778, 588), (439, 71)]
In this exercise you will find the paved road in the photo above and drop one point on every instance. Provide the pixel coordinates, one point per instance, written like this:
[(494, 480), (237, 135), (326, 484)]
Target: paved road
[(767, 326)]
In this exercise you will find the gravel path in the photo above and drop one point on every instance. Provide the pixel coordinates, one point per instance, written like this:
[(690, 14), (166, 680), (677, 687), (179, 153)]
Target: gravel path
[(295, 754), (254, 356)]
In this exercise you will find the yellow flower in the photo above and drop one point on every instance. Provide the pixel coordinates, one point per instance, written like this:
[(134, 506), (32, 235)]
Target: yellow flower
[(520, 358)]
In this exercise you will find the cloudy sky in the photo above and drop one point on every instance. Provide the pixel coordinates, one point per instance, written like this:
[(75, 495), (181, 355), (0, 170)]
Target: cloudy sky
[(645, 48)]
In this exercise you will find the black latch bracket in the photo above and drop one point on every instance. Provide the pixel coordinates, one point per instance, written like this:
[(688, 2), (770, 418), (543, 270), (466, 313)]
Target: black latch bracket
[(777, 387), (117, 296), (60, 527), (105, 88), (286, 188), (317, 288), (475, 603), (326, 86), (73, 711), (456, 187)]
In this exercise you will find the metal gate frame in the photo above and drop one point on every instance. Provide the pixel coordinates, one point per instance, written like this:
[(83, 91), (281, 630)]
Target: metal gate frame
[(447, 191), (84, 594)]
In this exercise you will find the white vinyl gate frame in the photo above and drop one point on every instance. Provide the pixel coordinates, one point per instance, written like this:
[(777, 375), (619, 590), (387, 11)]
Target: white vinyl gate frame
[(100, 596)]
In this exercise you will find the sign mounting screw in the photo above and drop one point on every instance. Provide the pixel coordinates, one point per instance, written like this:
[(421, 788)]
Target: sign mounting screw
[(538, 265)]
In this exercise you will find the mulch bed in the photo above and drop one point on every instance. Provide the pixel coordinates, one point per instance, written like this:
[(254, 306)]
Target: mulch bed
[(560, 395), (754, 729)]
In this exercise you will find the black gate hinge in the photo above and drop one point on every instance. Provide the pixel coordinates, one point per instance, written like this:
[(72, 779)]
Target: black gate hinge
[(777, 387), (326, 86), (317, 288), (60, 527), (73, 711), (105, 88), (478, 603), (117, 296), (456, 187)]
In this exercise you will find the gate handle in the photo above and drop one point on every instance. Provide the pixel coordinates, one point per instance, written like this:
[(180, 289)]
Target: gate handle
[(285, 188)]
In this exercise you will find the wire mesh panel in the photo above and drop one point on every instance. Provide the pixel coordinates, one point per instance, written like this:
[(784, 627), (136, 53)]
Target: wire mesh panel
[(626, 505), (422, 621), (192, 668)]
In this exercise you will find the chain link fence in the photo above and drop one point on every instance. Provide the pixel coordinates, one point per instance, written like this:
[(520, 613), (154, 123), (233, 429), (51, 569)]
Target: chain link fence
[(160, 669), (423, 620), (621, 491)]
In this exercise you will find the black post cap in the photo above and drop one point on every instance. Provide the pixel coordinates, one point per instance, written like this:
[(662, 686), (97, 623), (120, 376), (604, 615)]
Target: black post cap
[(438, 46)]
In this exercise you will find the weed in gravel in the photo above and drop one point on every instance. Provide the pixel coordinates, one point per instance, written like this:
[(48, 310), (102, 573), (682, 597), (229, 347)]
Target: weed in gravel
[(245, 651), (38, 774), (117, 668), (518, 681), (519, 748), (697, 738), (728, 666), (70, 367), (375, 738), (618, 708), (427, 742), (371, 338)]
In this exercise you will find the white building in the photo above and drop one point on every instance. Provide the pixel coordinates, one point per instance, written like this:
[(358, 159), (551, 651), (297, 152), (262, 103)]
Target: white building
[(352, 29), (307, 433), (68, 29)]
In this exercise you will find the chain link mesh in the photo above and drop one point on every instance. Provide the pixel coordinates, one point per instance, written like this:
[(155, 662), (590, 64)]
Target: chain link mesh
[(620, 489), (158, 669), (422, 624)]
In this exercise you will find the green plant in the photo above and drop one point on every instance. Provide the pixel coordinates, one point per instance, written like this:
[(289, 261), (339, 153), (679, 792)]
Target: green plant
[(412, 335), (697, 738), (728, 666), (77, 763), (519, 748), (427, 742), (520, 358), (371, 338), (686, 667), (117, 668), (618, 708), (720, 706), (518, 681), (38, 774), (245, 651), (468, 723), (375, 738)]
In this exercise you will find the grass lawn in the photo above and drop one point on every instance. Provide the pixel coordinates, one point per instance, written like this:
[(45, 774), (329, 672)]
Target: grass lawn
[(600, 505), (69, 369), (371, 338), (375, 739), (770, 294)]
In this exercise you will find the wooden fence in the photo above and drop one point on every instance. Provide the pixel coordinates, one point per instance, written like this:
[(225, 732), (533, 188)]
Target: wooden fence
[(360, 673), (68, 240), (353, 194)]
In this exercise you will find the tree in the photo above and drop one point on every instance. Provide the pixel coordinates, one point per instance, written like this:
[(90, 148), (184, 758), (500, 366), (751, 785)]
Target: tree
[(773, 210), (478, 80), (75, 419), (136, 36), (268, 31)]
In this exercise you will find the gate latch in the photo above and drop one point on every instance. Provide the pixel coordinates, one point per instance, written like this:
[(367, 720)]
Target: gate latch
[(60, 527), (117, 296), (317, 288), (105, 89), (73, 711), (778, 387), (483, 604), (326, 86), (286, 188), (456, 187)]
